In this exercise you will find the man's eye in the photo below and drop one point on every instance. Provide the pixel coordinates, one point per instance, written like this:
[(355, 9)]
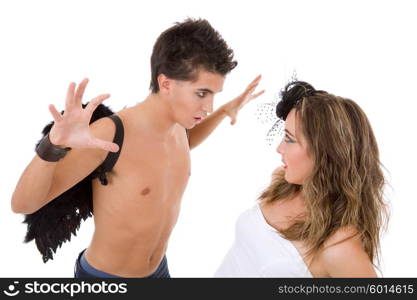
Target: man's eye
[(201, 94)]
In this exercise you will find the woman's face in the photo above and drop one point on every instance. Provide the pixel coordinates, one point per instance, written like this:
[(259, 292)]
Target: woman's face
[(298, 164)]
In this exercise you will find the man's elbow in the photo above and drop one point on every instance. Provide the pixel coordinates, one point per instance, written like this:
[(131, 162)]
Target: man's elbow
[(20, 207)]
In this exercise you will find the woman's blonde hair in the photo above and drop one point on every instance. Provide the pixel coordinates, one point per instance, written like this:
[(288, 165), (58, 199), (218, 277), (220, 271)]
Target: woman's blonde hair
[(345, 187)]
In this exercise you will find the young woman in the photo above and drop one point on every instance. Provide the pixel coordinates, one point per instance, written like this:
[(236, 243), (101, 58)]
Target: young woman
[(322, 214)]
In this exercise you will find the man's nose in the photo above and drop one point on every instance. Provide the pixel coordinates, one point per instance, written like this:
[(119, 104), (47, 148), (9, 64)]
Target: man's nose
[(208, 105)]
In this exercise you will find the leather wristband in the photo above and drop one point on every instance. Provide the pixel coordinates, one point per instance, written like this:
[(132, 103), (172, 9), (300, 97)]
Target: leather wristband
[(49, 152)]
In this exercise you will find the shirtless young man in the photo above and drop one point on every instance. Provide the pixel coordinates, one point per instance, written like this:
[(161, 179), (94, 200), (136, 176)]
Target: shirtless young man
[(135, 213)]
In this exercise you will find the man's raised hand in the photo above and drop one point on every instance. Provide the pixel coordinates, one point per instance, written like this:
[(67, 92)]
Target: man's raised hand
[(72, 128)]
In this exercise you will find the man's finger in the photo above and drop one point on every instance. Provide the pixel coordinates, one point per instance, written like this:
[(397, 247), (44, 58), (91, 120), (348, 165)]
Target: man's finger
[(80, 92), (257, 95), (107, 146), (257, 79), (233, 119), (251, 87), (249, 90), (92, 105), (70, 96), (55, 114), (255, 82)]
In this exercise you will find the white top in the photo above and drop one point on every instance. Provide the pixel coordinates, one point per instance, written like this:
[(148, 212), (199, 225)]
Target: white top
[(260, 251)]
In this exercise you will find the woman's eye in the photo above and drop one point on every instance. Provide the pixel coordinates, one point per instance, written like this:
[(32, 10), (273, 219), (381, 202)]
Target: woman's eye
[(287, 139)]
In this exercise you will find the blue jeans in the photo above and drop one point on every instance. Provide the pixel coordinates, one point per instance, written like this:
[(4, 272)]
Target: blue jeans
[(84, 270)]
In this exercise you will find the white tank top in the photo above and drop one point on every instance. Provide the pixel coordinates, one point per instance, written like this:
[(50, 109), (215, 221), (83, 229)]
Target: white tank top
[(260, 251)]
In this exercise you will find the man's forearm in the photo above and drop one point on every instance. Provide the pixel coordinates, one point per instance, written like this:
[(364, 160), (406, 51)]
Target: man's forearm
[(33, 186), (200, 132)]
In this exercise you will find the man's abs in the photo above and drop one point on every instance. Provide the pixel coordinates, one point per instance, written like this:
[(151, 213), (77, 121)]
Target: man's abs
[(131, 233)]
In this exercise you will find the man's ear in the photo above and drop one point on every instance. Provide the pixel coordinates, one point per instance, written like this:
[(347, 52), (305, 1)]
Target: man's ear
[(165, 84)]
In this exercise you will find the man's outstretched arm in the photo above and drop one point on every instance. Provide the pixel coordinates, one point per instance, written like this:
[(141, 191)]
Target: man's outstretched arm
[(45, 179), (231, 109)]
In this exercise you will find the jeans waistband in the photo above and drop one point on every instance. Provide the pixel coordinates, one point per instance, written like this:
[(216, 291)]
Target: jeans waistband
[(161, 272)]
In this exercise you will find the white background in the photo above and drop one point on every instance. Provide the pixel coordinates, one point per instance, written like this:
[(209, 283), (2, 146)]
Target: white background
[(364, 50)]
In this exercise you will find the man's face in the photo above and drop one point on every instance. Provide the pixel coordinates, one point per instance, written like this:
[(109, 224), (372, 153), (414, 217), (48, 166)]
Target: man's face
[(191, 101)]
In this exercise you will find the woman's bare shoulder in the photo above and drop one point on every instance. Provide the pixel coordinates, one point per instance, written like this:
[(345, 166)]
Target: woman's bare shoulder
[(343, 255)]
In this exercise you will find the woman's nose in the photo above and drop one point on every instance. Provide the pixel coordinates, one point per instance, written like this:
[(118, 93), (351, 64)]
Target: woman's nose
[(279, 148)]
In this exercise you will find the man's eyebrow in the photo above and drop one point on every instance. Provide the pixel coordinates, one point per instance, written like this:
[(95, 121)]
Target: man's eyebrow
[(206, 90), (289, 133)]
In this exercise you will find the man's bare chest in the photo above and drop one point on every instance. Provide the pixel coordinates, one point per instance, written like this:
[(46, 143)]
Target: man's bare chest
[(154, 165)]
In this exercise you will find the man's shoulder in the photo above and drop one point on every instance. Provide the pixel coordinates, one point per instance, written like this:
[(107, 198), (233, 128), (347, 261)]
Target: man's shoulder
[(131, 116), (103, 128)]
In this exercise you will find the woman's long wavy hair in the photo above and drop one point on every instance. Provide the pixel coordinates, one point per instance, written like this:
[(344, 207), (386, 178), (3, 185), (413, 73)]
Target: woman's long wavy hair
[(345, 187)]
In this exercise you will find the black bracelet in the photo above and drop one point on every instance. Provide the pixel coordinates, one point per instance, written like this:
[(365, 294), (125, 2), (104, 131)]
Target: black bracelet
[(49, 152)]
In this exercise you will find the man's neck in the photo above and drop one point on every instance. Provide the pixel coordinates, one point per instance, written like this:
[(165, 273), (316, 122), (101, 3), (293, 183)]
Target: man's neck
[(157, 115)]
